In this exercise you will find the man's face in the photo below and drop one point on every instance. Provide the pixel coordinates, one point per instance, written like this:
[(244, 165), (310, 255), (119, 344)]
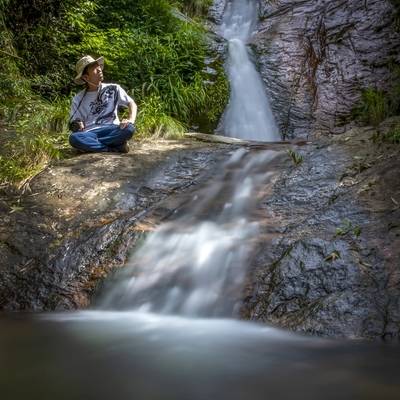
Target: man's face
[(94, 74)]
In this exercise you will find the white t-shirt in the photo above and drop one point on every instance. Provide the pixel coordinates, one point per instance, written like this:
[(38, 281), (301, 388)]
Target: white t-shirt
[(99, 107)]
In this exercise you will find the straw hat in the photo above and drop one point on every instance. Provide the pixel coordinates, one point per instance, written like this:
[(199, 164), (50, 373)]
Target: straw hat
[(82, 64)]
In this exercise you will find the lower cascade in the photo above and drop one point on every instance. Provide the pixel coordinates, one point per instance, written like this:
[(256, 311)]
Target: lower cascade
[(248, 114), (195, 266)]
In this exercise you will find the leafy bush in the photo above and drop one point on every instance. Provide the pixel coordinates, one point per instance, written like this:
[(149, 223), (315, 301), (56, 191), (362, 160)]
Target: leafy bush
[(147, 49), (39, 136), (153, 119), (156, 56)]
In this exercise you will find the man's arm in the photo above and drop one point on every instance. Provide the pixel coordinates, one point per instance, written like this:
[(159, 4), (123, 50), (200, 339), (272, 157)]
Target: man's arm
[(75, 117), (132, 109)]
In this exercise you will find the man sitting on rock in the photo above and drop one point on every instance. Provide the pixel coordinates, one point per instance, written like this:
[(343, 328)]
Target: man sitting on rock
[(94, 118)]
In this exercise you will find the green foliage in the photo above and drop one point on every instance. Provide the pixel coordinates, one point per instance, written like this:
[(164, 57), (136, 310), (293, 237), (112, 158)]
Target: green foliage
[(373, 108), (394, 92), (35, 123), (296, 157), (217, 94), (153, 119), (147, 49), (11, 84), (40, 134), (37, 115), (156, 56), (167, 64), (348, 228), (41, 33), (393, 136), (377, 105), (27, 155)]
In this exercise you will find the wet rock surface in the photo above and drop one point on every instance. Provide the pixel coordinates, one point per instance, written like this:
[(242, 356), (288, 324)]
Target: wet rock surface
[(331, 266), (328, 255), (75, 222), (315, 56)]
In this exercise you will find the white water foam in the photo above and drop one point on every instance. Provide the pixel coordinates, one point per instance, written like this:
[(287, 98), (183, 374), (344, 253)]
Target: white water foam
[(248, 114), (194, 266)]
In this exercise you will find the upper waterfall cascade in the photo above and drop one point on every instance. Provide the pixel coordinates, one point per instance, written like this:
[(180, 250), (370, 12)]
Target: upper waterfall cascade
[(248, 114)]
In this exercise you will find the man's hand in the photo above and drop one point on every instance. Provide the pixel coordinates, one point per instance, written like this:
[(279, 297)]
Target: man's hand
[(132, 107), (76, 125), (124, 123)]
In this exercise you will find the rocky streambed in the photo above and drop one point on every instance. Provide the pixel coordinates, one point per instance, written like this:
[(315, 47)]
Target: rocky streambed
[(76, 221), (327, 261)]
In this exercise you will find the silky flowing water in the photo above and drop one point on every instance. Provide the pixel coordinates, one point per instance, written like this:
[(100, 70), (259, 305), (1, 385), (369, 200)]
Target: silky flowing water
[(248, 114), (164, 327), (195, 265)]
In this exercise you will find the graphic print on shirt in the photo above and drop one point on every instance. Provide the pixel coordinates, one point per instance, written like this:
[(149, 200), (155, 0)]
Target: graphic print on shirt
[(98, 108), (106, 100)]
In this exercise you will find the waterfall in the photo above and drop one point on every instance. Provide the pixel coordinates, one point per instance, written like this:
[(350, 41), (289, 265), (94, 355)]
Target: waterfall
[(248, 114), (195, 265)]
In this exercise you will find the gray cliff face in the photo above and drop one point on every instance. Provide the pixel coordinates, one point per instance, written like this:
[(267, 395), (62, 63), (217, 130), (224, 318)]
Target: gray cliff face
[(316, 55), (332, 267), (216, 11)]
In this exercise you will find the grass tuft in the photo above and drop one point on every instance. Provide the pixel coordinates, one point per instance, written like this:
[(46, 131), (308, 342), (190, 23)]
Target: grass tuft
[(393, 136), (296, 157), (154, 121), (373, 108)]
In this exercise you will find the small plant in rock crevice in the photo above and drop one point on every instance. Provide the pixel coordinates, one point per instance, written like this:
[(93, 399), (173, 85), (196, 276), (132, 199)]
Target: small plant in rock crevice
[(296, 157), (376, 105), (347, 227), (373, 107), (393, 136), (333, 256)]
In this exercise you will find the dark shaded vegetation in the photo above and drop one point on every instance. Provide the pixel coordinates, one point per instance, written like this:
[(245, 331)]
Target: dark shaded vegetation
[(396, 4), (393, 136), (376, 105), (158, 58)]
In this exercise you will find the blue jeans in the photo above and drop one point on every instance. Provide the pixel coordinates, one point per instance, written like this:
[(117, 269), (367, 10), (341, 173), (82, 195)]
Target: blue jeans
[(104, 138)]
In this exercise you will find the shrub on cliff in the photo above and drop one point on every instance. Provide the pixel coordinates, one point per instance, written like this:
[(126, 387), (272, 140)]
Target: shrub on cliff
[(376, 105)]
